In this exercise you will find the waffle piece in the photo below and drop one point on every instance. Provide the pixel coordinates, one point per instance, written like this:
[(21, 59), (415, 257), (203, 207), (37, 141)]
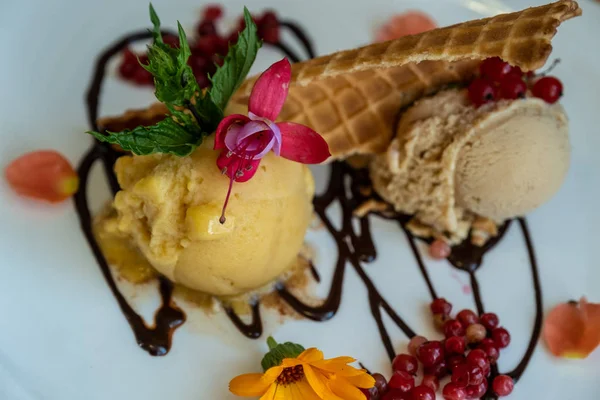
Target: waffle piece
[(352, 97)]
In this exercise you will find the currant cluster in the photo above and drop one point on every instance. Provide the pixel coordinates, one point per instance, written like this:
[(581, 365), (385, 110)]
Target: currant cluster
[(208, 47), (499, 80), (471, 346)]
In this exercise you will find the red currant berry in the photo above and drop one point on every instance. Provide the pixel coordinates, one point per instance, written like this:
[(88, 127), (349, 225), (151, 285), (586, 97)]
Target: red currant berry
[(414, 344), (494, 69), (129, 64), (439, 370), (475, 374), (513, 87), (268, 28), (455, 360), (454, 392), (206, 28), (478, 358), (171, 40), (202, 80), (455, 345), (475, 392), (489, 320), (233, 38), (439, 249), (461, 376), (515, 72), (476, 333), (212, 12), (142, 77), (501, 338), (481, 92), (492, 352), (487, 341), (431, 381), (548, 88), (370, 394), (406, 363), (453, 328), (503, 385), (441, 306), (395, 394), (439, 320), (380, 382), (467, 317), (402, 381), (422, 393), (430, 353)]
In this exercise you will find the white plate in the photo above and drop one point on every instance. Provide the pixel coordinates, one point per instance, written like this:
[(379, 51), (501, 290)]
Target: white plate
[(62, 335)]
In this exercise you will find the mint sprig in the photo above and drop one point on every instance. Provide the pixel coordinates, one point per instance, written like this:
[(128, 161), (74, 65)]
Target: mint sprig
[(277, 352), (177, 134), (236, 65), (178, 89)]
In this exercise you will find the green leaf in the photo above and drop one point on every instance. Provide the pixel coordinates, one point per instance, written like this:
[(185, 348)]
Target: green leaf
[(173, 78), (277, 352), (236, 65), (177, 135)]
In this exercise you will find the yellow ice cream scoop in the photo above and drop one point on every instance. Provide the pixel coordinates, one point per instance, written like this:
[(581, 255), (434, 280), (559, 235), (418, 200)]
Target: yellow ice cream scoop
[(169, 207)]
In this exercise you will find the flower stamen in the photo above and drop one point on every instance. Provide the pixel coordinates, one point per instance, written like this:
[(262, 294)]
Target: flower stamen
[(291, 375)]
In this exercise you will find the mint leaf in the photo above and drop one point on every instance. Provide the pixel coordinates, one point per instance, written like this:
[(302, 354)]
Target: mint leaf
[(177, 134), (277, 352), (236, 65), (173, 78)]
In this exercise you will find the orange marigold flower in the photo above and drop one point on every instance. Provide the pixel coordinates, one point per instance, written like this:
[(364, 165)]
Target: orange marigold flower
[(306, 377)]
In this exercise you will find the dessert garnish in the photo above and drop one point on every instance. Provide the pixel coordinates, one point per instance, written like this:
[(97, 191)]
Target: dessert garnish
[(468, 355), (499, 80), (293, 373), (572, 329), (194, 113), (44, 175), (404, 24), (244, 140), (208, 47)]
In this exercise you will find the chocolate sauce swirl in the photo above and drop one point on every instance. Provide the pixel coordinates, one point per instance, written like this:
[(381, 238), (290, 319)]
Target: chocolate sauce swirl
[(355, 247)]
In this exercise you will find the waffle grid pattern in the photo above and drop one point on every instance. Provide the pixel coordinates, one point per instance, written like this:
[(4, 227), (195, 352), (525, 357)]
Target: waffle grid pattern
[(352, 97)]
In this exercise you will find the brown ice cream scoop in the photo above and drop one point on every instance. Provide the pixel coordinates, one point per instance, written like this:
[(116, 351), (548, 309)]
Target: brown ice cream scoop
[(517, 161), (451, 162)]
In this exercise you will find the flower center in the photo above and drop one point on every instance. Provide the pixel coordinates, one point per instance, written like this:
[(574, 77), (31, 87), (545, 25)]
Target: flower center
[(291, 375)]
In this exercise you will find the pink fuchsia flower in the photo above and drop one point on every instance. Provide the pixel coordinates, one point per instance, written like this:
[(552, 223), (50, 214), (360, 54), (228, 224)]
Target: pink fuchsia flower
[(245, 140)]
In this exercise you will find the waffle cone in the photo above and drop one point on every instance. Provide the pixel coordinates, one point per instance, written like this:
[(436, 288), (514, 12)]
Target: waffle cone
[(353, 97)]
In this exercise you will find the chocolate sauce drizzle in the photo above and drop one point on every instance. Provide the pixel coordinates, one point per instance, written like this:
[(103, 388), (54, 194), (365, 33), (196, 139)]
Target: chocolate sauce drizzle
[(355, 247)]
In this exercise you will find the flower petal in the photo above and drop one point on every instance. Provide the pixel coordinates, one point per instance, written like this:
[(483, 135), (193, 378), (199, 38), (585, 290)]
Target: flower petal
[(273, 126), (291, 362), (270, 394), (302, 144), (224, 127), (306, 391), (270, 90), (342, 388), (44, 175), (311, 355), (364, 380), (408, 23), (233, 138), (316, 380), (572, 329), (233, 164), (254, 384)]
